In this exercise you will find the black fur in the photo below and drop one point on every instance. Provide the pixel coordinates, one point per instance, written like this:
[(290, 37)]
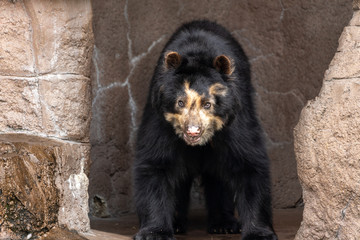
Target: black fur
[(234, 165)]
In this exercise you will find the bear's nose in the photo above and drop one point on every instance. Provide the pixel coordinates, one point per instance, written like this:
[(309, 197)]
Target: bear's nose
[(193, 131)]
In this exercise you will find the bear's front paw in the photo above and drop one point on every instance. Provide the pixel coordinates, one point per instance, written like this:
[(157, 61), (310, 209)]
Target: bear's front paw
[(151, 235), (230, 225)]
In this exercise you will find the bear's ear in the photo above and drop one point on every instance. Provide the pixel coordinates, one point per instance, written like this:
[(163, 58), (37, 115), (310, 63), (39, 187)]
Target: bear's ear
[(172, 60), (224, 64)]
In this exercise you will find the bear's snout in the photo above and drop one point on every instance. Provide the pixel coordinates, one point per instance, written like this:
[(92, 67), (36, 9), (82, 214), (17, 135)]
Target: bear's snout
[(192, 134), (193, 131)]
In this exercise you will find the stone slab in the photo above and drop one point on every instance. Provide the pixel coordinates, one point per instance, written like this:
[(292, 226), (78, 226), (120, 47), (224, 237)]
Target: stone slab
[(16, 43), (39, 37), (62, 35), (328, 160), (20, 105), (66, 106), (51, 105)]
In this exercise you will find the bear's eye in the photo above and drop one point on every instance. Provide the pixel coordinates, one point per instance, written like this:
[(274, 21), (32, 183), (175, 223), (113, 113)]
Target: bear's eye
[(181, 103), (207, 105)]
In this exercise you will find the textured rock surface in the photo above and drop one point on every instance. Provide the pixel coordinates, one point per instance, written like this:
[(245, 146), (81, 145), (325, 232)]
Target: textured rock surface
[(55, 105), (72, 181), (62, 35), (43, 183), (45, 57), (61, 234), (40, 37), (65, 105), (29, 199), (289, 44), (328, 148), (16, 52)]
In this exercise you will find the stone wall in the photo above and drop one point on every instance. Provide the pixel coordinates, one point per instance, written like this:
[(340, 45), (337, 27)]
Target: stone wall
[(289, 43), (45, 57), (328, 147)]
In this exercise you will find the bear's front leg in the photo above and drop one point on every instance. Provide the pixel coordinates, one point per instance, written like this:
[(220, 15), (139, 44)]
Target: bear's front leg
[(254, 204), (154, 199)]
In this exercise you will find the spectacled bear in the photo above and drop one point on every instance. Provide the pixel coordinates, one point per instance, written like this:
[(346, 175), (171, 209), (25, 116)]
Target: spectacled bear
[(199, 120)]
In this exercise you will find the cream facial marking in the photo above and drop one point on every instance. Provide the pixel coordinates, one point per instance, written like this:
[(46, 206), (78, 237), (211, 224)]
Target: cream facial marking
[(194, 120)]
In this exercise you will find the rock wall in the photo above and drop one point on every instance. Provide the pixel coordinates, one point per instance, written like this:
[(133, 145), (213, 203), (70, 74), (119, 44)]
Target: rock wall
[(289, 43), (45, 57), (327, 146)]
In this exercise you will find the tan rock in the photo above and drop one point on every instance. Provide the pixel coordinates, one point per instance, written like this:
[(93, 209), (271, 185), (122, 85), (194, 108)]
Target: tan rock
[(328, 149), (52, 105), (62, 35), (349, 40), (65, 105), (355, 21), (20, 105), (16, 43), (38, 37), (72, 182), (344, 65), (328, 157)]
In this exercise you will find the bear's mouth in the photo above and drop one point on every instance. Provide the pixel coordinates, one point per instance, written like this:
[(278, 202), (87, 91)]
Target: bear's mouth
[(192, 140)]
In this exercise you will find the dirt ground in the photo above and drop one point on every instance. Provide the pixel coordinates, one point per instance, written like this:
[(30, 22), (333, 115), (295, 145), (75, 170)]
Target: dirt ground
[(286, 224)]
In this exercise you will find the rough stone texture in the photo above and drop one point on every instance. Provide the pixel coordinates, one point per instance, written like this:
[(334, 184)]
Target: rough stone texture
[(43, 183), (29, 199), (16, 52), (57, 233), (73, 163), (39, 37), (45, 57), (45, 51), (61, 234), (55, 105), (66, 106), (62, 35), (327, 148), (289, 44), (20, 105)]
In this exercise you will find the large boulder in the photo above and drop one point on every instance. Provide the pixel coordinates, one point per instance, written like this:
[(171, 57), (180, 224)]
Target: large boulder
[(327, 147)]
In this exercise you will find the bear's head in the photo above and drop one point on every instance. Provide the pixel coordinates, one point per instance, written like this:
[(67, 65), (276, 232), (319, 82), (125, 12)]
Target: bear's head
[(195, 95)]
